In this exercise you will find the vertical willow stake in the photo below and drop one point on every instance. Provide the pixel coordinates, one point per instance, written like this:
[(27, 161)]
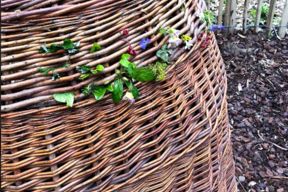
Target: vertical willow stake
[(284, 20), (270, 17), (246, 4), (258, 15)]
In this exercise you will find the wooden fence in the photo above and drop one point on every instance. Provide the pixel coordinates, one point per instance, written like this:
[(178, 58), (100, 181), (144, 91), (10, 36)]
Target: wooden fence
[(231, 6)]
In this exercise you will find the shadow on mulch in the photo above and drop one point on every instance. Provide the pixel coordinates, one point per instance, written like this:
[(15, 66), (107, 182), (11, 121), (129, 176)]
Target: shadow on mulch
[(257, 72)]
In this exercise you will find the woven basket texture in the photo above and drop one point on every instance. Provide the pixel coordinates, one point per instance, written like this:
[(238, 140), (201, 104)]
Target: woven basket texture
[(175, 137)]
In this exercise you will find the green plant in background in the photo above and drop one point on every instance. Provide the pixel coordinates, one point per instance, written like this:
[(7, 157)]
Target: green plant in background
[(277, 20), (271, 36), (264, 13)]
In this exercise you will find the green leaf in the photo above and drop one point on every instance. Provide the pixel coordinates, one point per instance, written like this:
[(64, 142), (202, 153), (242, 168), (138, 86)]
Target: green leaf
[(144, 74), (100, 67), (124, 60), (95, 47), (86, 90), (66, 65), (83, 69), (72, 50), (171, 31), (133, 89), (106, 82), (99, 92), (162, 54), (68, 44), (54, 48), (45, 71), (66, 97), (84, 76), (117, 91), (132, 69), (163, 32), (44, 49), (109, 88), (55, 76)]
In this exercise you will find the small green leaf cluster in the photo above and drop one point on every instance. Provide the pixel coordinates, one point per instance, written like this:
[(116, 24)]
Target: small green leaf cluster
[(54, 74), (159, 69), (97, 91), (95, 47), (128, 73), (163, 31), (67, 45), (86, 70), (163, 53)]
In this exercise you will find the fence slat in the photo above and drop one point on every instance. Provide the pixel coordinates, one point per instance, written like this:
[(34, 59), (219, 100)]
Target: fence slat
[(246, 5), (284, 20), (258, 16), (270, 17), (227, 15), (220, 12), (208, 4), (232, 15)]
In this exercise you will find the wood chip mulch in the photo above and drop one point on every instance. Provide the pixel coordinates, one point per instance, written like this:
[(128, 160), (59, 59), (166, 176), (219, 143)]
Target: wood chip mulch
[(257, 72)]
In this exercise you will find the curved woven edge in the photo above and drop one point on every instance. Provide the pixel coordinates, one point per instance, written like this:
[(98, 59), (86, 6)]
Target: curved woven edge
[(174, 138), (24, 86)]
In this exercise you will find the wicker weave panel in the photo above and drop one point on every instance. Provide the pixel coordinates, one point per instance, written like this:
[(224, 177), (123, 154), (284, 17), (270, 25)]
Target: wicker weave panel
[(175, 137)]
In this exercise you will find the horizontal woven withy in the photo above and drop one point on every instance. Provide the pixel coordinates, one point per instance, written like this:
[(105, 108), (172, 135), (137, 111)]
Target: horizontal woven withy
[(175, 137)]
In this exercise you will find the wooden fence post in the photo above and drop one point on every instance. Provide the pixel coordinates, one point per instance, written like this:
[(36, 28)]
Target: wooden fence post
[(284, 20), (227, 14), (208, 4), (258, 16), (230, 14), (246, 5), (220, 12), (270, 17)]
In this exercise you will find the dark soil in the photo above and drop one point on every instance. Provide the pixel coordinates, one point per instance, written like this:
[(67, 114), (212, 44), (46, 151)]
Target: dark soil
[(257, 72)]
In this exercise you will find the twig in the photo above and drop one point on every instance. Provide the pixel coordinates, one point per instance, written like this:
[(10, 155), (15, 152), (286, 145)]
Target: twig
[(276, 177), (271, 142), (241, 184)]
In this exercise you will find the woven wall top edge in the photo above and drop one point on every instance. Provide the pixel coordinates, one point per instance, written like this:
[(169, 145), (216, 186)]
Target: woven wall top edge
[(26, 27)]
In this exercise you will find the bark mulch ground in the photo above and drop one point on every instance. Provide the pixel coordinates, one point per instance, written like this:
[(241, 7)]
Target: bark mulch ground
[(257, 72)]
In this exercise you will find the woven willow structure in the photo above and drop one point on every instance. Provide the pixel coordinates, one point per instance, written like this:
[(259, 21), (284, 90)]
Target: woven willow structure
[(175, 137)]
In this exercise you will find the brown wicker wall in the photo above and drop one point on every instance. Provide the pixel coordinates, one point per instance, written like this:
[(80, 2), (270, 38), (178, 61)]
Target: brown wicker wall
[(175, 137)]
